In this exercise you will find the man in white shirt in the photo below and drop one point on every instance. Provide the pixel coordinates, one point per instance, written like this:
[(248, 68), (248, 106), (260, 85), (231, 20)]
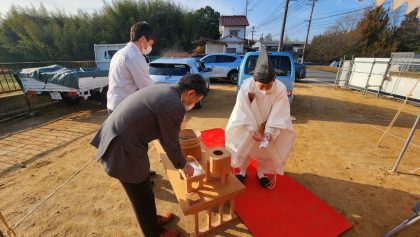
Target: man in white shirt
[(128, 71)]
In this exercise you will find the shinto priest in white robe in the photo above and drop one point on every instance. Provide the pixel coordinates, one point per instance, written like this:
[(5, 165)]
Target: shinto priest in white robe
[(252, 109)]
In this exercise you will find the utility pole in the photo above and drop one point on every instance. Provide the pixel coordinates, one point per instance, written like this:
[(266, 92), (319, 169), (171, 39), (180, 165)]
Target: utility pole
[(252, 33), (246, 8), (246, 15), (286, 6), (307, 33)]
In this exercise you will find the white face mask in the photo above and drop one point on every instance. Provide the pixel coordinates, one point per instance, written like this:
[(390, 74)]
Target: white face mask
[(189, 107), (261, 92), (264, 92), (147, 50)]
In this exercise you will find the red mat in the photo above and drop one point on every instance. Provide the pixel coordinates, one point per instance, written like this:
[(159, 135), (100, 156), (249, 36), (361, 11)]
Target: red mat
[(287, 210)]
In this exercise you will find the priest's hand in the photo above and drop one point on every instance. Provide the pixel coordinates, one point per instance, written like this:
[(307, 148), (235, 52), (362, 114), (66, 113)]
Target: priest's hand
[(257, 136), (268, 136), (188, 170)]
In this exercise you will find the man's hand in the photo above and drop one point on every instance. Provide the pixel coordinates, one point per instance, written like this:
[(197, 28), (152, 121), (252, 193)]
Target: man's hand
[(188, 170), (257, 136)]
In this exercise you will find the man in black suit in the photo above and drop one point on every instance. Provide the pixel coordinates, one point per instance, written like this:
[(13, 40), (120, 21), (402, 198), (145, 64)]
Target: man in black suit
[(122, 142)]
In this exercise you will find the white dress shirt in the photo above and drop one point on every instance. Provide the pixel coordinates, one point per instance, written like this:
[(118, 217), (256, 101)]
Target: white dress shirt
[(128, 72)]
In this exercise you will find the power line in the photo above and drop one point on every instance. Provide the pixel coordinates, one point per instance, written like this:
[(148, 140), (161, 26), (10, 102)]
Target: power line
[(292, 10), (270, 15), (344, 13)]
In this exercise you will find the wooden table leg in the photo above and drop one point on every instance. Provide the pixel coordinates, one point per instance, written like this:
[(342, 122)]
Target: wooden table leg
[(196, 228), (232, 208), (209, 218), (220, 213)]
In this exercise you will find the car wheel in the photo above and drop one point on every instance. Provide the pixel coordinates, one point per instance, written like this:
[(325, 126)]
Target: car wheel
[(296, 77), (71, 101), (233, 76), (102, 96)]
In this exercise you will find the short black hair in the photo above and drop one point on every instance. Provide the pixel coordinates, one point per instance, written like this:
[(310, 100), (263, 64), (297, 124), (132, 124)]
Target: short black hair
[(140, 29), (193, 82)]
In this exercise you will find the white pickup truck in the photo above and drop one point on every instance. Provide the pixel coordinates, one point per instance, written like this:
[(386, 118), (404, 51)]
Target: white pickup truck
[(69, 85)]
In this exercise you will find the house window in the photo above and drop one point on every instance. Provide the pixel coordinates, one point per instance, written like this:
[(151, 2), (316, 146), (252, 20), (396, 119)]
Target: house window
[(230, 50), (234, 32)]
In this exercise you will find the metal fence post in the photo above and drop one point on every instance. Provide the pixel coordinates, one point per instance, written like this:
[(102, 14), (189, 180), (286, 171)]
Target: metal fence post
[(370, 74), (407, 142)]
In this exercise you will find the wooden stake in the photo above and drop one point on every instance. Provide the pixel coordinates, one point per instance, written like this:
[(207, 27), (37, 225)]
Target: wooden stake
[(10, 231)]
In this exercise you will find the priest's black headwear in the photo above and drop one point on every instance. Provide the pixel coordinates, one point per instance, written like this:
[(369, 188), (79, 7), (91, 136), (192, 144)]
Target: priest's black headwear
[(264, 71)]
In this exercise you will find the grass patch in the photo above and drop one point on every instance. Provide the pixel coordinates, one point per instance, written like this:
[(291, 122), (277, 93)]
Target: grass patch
[(322, 68)]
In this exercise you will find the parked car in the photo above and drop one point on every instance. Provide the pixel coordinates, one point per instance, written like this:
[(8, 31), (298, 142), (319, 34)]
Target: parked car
[(300, 71), (223, 65), (198, 56), (283, 65), (170, 70)]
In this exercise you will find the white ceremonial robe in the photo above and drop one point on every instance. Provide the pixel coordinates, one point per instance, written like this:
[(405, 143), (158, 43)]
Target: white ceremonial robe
[(247, 117)]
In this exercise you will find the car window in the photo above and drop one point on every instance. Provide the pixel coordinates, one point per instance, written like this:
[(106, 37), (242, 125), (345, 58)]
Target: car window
[(168, 69), (281, 64), (108, 54), (209, 59), (224, 59), (200, 66)]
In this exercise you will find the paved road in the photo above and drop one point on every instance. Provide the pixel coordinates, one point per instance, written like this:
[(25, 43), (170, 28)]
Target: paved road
[(319, 76)]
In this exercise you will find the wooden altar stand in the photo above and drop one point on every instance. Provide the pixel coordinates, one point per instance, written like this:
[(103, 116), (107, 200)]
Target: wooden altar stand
[(212, 194)]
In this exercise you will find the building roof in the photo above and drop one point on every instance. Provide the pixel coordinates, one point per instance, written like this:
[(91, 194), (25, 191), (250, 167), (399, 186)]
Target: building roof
[(233, 21)]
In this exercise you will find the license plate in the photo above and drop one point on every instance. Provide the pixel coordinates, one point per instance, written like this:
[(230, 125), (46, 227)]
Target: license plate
[(55, 96)]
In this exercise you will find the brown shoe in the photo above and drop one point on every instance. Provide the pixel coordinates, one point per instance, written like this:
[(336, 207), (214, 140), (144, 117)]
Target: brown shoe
[(171, 233), (165, 218)]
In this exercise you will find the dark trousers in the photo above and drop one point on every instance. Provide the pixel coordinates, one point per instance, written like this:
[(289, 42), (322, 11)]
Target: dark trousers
[(142, 199)]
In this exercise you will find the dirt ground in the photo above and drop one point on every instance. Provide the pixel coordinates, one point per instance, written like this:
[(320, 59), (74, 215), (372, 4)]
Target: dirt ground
[(335, 156)]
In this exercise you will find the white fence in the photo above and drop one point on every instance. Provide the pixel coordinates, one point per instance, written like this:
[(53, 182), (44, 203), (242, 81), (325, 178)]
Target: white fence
[(391, 76)]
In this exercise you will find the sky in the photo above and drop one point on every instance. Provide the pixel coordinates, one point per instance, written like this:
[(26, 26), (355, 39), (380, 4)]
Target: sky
[(264, 15)]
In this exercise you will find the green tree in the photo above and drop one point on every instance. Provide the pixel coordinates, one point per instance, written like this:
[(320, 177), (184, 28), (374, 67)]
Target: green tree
[(376, 38), (408, 34), (35, 34)]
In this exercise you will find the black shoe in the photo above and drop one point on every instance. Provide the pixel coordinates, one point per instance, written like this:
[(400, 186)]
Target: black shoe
[(240, 177), (152, 174), (264, 181)]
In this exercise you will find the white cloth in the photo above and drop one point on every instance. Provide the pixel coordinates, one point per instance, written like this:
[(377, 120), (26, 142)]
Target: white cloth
[(128, 72), (247, 117)]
